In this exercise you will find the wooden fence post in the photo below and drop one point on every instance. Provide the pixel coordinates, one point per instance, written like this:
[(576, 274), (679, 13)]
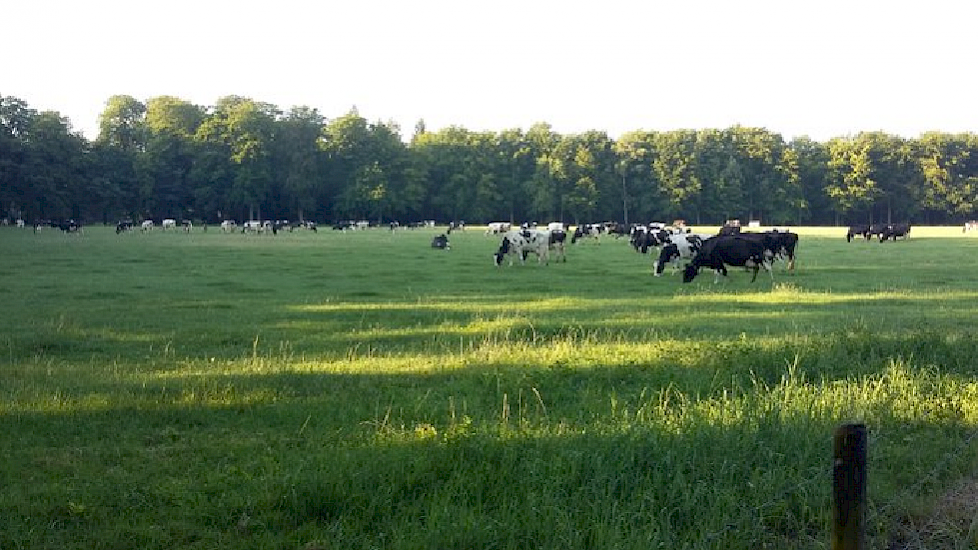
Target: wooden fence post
[(849, 488)]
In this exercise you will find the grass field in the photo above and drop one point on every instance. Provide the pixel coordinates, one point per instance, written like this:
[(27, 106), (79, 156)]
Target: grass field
[(362, 390)]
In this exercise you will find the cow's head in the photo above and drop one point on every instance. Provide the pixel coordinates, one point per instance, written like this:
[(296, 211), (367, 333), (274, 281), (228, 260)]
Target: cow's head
[(690, 272)]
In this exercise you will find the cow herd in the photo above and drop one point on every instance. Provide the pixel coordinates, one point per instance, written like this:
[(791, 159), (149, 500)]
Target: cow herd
[(673, 246), (882, 231)]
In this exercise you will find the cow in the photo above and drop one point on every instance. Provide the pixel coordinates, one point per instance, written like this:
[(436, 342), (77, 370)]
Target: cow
[(441, 241), (877, 230), (592, 230), (783, 245), (729, 228), (558, 237), (495, 228), (228, 226), (969, 226), (858, 230), (892, 231), (520, 242), (645, 237), (556, 226), (20, 223), (308, 224), (70, 226), (680, 247), (124, 225), (169, 223), (187, 225), (147, 225), (252, 226), (722, 250), (456, 226)]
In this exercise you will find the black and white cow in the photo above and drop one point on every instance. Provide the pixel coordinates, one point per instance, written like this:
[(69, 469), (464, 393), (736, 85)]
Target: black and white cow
[(645, 237), (969, 226), (722, 250), (591, 230), (557, 240), (521, 242), (124, 225), (683, 246), (441, 241)]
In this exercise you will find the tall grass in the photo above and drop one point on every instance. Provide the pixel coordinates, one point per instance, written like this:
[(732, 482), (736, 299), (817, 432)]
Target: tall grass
[(362, 390)]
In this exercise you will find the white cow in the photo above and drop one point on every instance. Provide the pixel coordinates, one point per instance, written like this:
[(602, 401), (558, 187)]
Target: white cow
[(496, 228), (146, 225), (228, 226), (556, 226), (252, 226), (169, 223)]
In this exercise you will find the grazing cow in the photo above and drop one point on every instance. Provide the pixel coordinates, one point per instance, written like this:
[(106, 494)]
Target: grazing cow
[(147, 225), (722, 250), (228, 226), (729, 228), (680, 247), (892, 231), (441, 241), (456, 226), (495, 228), (858, 230), (969, 226), (646, 237), (124, 225), (70, 226), (310, 225), (520, 242), (877, 229), (187, 225), (20, 222), (592, 230), (169, 223), (252, 226)]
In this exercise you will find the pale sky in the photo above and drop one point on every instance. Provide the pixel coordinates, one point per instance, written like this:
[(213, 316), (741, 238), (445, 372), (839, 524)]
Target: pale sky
[(821, 68)]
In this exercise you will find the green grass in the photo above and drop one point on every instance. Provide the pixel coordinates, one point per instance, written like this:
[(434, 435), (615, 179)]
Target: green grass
[(363, 390)]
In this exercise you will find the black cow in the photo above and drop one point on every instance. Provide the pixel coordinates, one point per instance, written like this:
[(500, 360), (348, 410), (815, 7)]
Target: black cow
[(723, 250), (858, 230), (70, 226), (877, 230), (895, 230), (441, 241)]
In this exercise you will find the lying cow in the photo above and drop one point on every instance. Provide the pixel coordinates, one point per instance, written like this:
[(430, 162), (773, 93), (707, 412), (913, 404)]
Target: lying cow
[(718, 252), (441, 241)]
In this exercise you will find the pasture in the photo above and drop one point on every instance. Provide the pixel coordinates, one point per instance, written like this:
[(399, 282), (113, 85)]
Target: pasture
[(363, 390)]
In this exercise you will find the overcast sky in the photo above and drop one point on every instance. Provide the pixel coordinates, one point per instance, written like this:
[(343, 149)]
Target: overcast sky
[(823, 69)]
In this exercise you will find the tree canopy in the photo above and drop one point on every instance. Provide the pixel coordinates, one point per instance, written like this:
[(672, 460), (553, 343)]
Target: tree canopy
[(246, 159)]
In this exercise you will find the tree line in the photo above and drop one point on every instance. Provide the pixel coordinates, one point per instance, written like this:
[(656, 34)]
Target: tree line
[(245, 159)]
